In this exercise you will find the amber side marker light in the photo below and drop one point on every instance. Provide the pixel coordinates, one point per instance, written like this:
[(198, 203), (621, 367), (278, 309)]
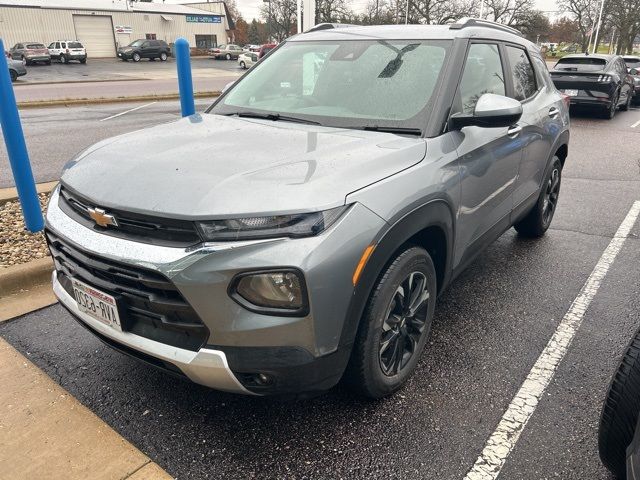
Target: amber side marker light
[(363, 261)]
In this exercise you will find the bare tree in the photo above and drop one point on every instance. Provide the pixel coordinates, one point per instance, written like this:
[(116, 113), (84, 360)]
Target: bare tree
[(280, 17), (624, 16), (585, 15)]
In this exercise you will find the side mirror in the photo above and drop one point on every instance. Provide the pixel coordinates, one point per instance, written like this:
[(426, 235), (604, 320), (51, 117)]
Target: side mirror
[(227, 86), (491, 111), (634, 71)]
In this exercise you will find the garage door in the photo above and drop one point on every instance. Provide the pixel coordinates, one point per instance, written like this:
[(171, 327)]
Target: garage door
[(96, 34)]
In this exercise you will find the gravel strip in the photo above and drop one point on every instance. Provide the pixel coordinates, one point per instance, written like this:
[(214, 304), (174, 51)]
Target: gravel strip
[(17, 244)]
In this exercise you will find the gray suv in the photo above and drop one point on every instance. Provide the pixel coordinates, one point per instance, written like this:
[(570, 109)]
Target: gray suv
[(382, 160)]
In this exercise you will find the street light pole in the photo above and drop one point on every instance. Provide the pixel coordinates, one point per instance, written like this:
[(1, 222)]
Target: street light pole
[(595, 41), (406, 17), (268, 20)]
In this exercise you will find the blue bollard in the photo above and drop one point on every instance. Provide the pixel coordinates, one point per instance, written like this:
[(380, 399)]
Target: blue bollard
[(185, 83), (17, 149)]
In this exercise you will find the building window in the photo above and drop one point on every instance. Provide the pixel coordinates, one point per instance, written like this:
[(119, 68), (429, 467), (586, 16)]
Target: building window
[(206, 41), (151, 36)]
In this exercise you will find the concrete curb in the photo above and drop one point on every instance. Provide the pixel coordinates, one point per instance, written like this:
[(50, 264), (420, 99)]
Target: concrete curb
[(97, 101), (25, 276), (10, 194)]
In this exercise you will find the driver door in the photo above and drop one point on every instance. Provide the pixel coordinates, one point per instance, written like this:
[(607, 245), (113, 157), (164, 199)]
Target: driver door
[(489, 157)]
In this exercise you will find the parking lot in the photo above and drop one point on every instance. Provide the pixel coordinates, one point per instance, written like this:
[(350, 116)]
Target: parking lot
[(490, 328)]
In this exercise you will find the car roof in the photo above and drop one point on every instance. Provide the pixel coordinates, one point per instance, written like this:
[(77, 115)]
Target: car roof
[(631, 57), (414, 32)]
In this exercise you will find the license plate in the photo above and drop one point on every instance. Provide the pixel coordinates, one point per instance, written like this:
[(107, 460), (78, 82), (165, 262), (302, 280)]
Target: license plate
[(96, 304), (571, 93)]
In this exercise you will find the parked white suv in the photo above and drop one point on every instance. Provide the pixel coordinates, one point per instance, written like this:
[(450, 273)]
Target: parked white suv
[(67, 50)]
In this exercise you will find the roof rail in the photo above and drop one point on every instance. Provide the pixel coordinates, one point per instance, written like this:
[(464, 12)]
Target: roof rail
[(478, 22), (328, 26)]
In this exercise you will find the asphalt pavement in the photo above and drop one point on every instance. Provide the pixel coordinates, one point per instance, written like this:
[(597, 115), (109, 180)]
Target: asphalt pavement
[(490, 327)]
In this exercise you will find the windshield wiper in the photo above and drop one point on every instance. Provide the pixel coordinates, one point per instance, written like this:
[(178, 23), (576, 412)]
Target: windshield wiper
[(272, 116), (398, 130)]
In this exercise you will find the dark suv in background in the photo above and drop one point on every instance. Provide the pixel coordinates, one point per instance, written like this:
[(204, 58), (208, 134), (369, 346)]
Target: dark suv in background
[(150, 49), (382, 161)]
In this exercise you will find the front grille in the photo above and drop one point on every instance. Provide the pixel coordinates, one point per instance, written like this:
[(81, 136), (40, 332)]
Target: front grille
[(149, 304), (133, 226)]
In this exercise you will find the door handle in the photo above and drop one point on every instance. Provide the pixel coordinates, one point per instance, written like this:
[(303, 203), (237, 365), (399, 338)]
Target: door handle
[(514, 130), (553, 112)]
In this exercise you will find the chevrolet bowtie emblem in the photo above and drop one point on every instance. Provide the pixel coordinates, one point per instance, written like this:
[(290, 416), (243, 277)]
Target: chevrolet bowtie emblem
[(102, 218)]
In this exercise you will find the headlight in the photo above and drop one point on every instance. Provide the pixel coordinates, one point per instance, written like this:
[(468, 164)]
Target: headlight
[(295, 226), (278, 292)]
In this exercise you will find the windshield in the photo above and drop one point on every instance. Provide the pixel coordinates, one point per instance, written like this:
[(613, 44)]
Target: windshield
[(343, 83), (581, 64), (137, 43)]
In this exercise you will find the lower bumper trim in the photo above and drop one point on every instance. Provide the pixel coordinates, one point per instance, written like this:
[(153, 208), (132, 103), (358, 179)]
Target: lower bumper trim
[(207, 367)]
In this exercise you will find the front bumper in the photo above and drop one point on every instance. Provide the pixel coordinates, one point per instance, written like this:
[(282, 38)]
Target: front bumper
[(207, 366), (125, 55), (304, 353)]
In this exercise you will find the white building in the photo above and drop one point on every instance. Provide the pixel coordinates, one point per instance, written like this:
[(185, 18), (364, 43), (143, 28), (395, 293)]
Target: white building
[(103, 25)]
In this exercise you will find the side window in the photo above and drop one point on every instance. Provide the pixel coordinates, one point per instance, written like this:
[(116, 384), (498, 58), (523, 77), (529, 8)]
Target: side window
[(543, 71), (51, 45), (524, 78), (482, 74), (63, 45)]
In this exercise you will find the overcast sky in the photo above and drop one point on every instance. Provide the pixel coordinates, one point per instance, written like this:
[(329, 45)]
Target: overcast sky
[(251, 8)]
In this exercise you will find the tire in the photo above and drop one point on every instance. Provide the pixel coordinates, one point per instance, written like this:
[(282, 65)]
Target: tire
[(83, 60), (48, 62), (14, 75), (537, 221), (63, 59), (375, 368), (228, 56), (136, 57), (626, 105), (243, 65), (610, 112), (163, 57), (620, 411)]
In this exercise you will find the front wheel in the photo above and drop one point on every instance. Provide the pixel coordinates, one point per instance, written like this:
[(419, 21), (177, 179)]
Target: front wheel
[(14, 75), (243, 65), (537, 221), (395, 326), (136, 57), (228, 56), (620, 411), (163, 57)]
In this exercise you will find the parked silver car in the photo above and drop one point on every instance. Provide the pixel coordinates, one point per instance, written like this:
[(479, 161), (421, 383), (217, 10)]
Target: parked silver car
[(382, 161), (16, 69), (31, 52), (228, 52)]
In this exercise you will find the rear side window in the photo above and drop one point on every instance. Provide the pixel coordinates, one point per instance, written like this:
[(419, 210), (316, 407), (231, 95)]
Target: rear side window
[(544, 78), (64, 45), (522, 74), (482, 74), (35, 46)]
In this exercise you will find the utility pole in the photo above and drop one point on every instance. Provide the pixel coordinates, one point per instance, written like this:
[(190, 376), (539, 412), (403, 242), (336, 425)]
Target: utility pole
[(268, 20), (406, 17), (595, 42), (481, 9)]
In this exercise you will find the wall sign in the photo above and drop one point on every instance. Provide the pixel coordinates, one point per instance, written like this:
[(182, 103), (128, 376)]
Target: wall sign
[(123, 29), (204, 19)]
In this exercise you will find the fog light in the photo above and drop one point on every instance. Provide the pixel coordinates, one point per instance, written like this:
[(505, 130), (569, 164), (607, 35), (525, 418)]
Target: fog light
[(272, 290), (262, 379)]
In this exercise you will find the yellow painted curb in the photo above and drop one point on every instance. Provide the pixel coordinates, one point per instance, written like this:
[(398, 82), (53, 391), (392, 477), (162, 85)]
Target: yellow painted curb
[(11, 193), (46, 433)]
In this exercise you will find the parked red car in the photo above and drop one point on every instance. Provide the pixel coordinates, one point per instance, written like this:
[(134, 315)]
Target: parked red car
[(266, 48)]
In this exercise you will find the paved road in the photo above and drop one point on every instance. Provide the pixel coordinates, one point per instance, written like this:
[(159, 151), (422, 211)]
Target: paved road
[(55, 135), (110, 78), (490, 328)]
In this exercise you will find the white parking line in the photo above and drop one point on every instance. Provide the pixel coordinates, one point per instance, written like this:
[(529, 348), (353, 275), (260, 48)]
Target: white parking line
[(635, 124), (504, 438), (127, 111)]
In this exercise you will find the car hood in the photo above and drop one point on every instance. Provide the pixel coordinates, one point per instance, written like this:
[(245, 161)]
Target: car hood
[(212, 166)]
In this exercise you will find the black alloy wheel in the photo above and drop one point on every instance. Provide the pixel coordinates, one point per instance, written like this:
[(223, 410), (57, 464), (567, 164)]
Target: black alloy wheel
[(611, 112), (551, 195), (405, 323)]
